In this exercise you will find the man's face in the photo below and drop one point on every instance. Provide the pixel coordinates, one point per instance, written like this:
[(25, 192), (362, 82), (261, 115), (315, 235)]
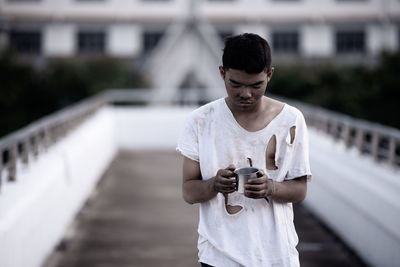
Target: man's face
[(245, 91)]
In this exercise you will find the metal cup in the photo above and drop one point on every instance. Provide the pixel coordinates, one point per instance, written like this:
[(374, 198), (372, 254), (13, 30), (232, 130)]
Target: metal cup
[(243, 175)]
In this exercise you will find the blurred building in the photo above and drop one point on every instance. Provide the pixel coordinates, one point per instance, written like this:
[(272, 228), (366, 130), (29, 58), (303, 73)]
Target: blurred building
[(306, 30), (130, 28)]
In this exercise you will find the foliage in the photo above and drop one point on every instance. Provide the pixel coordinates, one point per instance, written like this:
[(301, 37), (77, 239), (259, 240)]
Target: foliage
[(367, 92), (28, 93)]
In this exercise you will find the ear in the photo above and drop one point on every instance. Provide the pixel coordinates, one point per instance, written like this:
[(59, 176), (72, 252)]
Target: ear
[(222, 72), (269, 73)]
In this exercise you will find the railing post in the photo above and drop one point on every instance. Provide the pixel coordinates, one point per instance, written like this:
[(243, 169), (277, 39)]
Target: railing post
[(310, 120), (46, 138), (54, 132), (345, 134), (375, 146), (325, 125), (35, 145), (392, 151), (334, 125), (12, 164), (25, 151), (360, 139)]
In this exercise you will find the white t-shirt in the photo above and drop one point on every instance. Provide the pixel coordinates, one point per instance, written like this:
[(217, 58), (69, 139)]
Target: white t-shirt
[(262, 233)]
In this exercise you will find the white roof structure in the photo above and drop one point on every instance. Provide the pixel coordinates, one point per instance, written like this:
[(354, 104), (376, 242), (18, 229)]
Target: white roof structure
[(188, 56)]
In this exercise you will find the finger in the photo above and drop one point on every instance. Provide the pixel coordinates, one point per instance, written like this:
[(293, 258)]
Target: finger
[(227, 173), (254, 188), (228, 188), (224, 182), (225, 189), (227, 181), (228, 191), (259, 180)]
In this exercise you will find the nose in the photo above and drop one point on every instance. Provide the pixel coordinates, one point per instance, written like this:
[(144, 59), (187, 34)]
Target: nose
[(245, 92)]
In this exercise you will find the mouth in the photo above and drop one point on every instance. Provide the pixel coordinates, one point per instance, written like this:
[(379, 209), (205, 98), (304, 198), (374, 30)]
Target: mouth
[(245, 104)]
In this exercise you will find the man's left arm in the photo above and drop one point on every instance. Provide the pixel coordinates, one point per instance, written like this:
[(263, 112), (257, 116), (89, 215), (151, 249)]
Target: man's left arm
[(293, 190)]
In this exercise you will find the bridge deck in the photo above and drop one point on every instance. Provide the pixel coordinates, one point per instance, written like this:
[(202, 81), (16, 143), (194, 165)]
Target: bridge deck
[(136, 217)]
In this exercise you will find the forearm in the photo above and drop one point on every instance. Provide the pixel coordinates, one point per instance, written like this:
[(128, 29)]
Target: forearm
[(197, 191), (290, 191)]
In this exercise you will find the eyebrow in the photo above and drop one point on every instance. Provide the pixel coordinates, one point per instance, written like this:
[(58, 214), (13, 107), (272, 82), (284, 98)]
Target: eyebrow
[(253, 84)]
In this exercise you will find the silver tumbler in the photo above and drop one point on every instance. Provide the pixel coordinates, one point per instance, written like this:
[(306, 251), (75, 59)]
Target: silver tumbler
[(243, 175)]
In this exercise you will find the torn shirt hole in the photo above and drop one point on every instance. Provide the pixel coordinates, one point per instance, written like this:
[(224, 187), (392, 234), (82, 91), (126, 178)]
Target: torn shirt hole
[(231, 209), (270, 154), (292, 134)]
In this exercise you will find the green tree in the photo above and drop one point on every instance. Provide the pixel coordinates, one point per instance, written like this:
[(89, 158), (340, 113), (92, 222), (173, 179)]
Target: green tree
[(28, 93)]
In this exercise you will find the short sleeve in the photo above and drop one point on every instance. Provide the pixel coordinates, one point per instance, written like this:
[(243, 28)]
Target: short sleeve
[(188, 144), (300, 162)]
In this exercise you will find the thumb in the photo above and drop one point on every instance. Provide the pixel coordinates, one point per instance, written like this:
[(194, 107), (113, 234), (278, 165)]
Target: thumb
[(261, 173), (231, 167)]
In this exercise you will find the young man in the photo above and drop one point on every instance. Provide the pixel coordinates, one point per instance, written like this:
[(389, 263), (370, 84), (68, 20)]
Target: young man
[(255, 228)]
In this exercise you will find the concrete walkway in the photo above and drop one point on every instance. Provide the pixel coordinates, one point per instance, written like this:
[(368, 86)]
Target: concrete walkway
[(136, 217)]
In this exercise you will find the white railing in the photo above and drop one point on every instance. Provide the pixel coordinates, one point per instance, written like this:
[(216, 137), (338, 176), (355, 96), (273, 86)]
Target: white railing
[(378, 141), (28, 142)]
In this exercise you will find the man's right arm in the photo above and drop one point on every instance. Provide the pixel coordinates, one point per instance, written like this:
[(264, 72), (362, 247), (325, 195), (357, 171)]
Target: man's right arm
[(196, 190)]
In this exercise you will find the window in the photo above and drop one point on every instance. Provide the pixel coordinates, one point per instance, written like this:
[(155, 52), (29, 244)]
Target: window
[(151, 39), (26, 41), (91, 42), (350, 41), (351, 0), (285, 41), (16, 1)]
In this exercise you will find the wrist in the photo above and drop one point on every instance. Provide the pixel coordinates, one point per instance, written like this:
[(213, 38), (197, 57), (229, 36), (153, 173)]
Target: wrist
[(213, 187), (271, 188)]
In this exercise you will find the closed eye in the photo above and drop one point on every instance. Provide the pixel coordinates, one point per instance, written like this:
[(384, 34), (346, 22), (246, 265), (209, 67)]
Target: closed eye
[(235, 84), (256, 85)]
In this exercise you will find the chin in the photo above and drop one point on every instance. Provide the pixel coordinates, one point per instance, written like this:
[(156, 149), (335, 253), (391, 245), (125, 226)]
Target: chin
[(245, 106)]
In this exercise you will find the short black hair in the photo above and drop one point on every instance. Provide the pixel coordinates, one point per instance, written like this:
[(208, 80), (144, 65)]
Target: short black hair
[(248, 52)]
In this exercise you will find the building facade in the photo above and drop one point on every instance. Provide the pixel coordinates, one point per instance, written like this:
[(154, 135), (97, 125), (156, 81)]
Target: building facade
[(131, 28)]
